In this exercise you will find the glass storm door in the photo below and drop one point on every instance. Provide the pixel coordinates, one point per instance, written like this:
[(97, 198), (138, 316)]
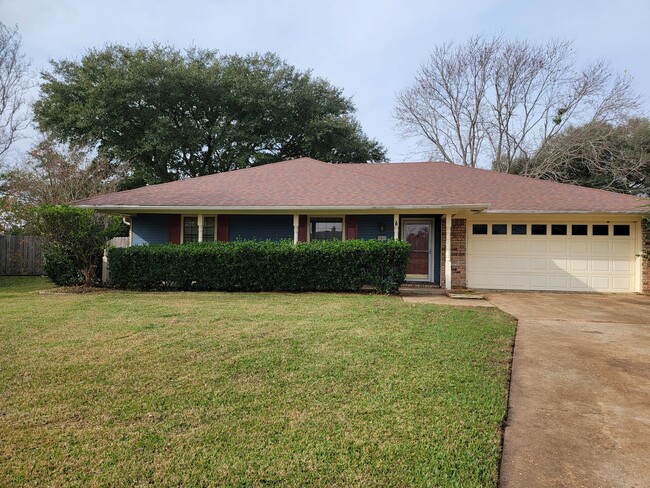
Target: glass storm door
[(418, 235)]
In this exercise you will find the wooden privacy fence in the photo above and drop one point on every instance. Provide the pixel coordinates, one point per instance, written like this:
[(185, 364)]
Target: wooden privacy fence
[(23, 255), (119, 242)]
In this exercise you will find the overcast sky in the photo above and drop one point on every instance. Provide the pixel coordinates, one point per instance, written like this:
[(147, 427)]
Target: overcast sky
[(371, 49)]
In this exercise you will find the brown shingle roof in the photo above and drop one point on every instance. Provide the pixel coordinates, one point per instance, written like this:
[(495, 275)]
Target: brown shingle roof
[(307, 182)]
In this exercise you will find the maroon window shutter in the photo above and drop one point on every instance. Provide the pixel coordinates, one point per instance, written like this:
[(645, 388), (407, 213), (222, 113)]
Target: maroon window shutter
[(175, 229), (223, 222), (302, 228), (351, 227)]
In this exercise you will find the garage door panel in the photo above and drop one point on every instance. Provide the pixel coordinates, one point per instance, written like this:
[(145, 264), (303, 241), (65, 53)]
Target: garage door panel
[(621, 283), (519, 281), (600, 265), (622, 248), (483, 263), (519, 246), (599, 247), (560, 264), (600, 282), (570, 263), (622, 265), (579, 283), (518, 263), (559, 282), (559, 247), (579, 265), (579, 247), (539, 282), (538, 263), (538, 246)]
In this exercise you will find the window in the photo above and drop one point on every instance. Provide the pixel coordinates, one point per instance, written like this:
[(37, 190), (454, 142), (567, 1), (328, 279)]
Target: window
[(208, 229), (190, 229), (621, 230), (538, 229), (558, 229), (326, 229), (600, 230), (499, 229), (519, 229), (479, 229), (579, 229)]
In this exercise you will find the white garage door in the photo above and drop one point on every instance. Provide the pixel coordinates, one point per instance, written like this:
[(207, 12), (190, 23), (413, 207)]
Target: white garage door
[(547, 256)]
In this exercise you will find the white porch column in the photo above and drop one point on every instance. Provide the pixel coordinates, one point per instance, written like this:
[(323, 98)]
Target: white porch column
[(296, 226), (448, 251), (105, 276), (199, 221), (396, 226)]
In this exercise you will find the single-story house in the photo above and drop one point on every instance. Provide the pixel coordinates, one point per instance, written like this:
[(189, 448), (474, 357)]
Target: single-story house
[(468, 227)]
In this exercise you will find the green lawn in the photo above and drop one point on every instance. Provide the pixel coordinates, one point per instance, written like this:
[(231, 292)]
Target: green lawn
[(123, 388)]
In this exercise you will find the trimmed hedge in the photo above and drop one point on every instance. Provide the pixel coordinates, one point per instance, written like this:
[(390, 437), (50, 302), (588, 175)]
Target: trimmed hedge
[(261, 266)]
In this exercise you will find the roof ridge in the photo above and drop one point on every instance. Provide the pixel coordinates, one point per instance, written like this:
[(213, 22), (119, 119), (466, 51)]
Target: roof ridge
[(400, 181)]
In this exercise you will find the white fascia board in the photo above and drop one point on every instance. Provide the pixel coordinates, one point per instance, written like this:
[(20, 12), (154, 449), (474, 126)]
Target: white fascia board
[(271, 208), (585, 212)]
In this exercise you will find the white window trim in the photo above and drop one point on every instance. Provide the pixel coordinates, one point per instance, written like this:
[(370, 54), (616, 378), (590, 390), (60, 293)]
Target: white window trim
[(199, 221), (183, 217), (202, 226), (549, 229), (342, 217)]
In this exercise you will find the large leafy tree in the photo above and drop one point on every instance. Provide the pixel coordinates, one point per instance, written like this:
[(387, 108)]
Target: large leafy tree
[(174, 114)]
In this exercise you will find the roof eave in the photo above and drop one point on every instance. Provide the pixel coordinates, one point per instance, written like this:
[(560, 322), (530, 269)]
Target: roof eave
[(597, 211), (479, 207)]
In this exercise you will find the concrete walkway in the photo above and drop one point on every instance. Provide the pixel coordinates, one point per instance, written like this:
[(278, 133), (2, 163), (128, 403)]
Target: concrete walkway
[(579, 412), (445, 300)]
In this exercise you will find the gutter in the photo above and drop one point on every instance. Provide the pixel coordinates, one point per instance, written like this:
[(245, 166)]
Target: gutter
[(585, 212), (130, 208)]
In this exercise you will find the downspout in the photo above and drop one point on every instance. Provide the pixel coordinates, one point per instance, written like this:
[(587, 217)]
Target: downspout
[(127, 221)]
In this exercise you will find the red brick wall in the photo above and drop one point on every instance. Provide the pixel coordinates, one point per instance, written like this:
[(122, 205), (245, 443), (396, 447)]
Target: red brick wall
[(458, 253), (645, 276)]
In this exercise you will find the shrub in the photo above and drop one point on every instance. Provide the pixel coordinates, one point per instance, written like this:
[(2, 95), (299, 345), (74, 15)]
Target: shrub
[(60, 268), (261, 266), (74, 242)]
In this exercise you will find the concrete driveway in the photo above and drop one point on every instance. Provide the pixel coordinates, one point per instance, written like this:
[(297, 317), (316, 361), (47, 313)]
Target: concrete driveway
[(579, 412)]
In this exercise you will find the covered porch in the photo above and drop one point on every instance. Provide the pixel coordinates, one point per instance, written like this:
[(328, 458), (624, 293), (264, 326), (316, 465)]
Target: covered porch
[(437, 235)]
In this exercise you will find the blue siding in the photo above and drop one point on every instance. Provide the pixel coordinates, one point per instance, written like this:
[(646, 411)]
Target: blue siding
[(150, 229), (369, 225), (260, 227)]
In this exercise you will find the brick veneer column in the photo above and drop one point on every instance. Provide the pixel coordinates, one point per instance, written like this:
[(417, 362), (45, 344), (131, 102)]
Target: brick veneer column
[(458, 253), (443, 237), (645, 273)]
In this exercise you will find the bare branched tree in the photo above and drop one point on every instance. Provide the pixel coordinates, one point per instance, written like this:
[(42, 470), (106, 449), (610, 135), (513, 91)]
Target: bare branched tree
[(54, 174), (495, 102), (14, 84), (598, 155)]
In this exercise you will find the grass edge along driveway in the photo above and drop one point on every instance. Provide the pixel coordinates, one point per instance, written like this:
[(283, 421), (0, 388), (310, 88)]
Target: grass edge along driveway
[(123, 388)]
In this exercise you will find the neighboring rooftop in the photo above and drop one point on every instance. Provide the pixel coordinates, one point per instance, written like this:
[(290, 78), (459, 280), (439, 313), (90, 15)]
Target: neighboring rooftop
[(308, 182)]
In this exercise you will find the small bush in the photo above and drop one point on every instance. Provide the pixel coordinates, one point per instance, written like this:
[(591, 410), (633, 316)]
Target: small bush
[(60, 268), (261, 266)]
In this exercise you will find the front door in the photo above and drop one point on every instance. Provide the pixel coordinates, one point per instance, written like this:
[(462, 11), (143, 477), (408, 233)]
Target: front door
[(418, 235)]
